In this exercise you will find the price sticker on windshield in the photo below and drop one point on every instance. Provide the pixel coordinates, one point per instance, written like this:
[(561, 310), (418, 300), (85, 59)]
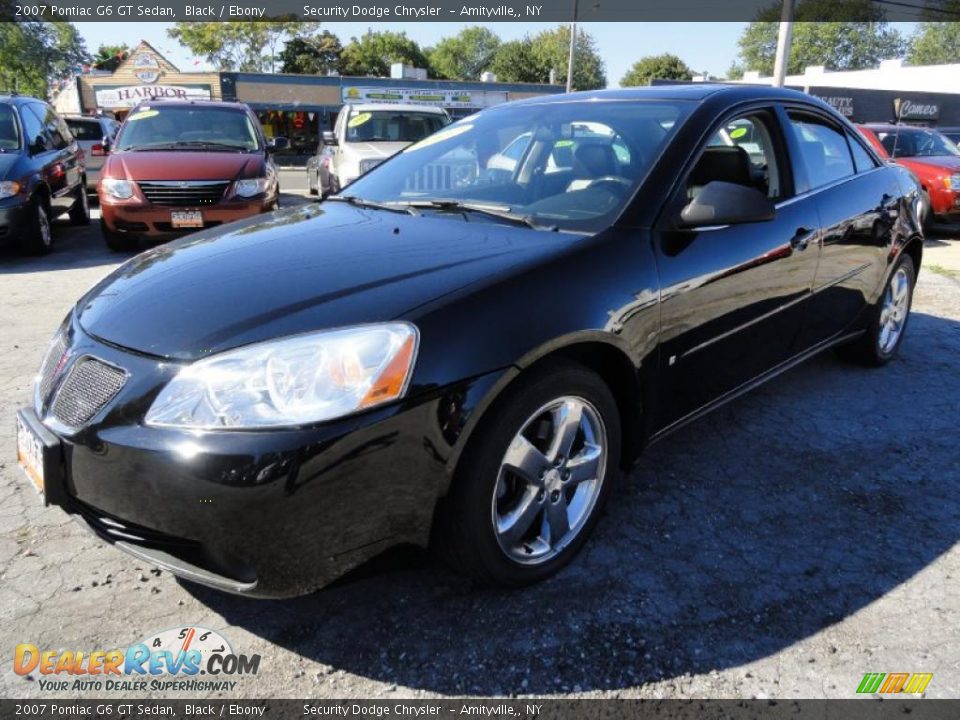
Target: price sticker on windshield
[(359, 120)]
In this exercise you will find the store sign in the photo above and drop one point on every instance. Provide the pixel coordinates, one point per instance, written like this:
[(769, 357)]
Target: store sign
[(126, 97), (841, 103), (416, 96), (913, 110), (146, 68)]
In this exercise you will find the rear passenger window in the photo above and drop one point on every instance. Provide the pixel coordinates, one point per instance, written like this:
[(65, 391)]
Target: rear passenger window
[(824, 152), (740, 152), (862, 160)]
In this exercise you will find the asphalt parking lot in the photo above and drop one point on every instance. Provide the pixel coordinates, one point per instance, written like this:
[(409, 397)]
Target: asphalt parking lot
[(796, 539)]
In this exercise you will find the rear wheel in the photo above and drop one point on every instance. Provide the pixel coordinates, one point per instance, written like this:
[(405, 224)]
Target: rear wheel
[(80, 212), (534, 480), (118, 242), (37, 238), (883, 338)]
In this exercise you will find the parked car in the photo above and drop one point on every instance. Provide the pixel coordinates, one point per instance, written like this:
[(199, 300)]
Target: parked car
[(366, 135), (933, 159), (262, 407), (951, 133), (90, 132), (178, 166), (41, 174)]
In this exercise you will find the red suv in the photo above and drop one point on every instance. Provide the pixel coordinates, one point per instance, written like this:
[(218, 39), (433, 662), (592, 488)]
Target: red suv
[(181, 166), (931, 156)]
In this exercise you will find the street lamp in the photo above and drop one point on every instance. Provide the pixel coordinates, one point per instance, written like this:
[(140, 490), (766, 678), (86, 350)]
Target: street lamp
[(573, 46), (783, 43)]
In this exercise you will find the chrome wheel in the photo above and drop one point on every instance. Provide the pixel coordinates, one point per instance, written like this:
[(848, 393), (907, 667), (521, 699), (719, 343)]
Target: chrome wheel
[(550, 478), (43, 225), (893, 314)]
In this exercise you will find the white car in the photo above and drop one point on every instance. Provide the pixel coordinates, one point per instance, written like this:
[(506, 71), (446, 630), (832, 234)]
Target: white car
[(367, 134)]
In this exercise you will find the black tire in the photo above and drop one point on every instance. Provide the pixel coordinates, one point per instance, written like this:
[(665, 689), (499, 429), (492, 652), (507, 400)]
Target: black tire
[(118, 242), (869, 349), (37, 238), (80, 212), (465, 535)]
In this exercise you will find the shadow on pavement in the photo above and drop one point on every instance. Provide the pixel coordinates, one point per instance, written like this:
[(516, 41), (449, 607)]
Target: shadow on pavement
[(775, 518)]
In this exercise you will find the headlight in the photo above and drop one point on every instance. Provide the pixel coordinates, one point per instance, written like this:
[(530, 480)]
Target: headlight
[(8, 189), (251, 187), (952, 182), (369, 164), (293, 381), (120, 189)]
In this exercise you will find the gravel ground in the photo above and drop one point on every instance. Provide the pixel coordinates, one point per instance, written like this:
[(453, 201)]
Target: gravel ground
[(794, 540)]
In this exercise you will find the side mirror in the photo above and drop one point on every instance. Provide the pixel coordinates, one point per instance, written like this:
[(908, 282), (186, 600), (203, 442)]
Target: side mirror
[(329, 138), (723, 203), (277, 143)]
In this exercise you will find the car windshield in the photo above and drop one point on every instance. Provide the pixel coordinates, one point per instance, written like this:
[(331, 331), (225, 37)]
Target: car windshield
[(568, 166), (178, 127), (388, 126), (9, 131), (917, 143), (85, 129)]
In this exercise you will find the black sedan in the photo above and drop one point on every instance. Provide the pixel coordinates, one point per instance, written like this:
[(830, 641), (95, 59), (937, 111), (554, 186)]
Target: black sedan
[(264, 406), (41, 174)]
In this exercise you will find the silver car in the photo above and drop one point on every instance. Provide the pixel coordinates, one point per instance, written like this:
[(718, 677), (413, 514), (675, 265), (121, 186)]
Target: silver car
[(89, 133)]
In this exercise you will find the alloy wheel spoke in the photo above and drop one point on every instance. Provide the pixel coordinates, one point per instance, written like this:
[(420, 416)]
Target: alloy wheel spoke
[(567, 420), (515, 523), (558, 520), (524, 459), (586, 465)]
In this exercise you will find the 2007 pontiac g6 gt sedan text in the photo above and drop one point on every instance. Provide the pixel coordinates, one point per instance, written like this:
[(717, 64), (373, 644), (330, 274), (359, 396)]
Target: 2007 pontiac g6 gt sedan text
[(467, 345)]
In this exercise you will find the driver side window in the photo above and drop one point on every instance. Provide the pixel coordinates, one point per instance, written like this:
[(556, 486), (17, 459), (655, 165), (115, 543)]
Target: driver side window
[(741, 152)]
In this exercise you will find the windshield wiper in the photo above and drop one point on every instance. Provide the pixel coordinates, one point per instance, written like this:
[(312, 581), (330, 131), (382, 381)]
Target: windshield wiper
[(360, 202), (178, 144), (487, 210)]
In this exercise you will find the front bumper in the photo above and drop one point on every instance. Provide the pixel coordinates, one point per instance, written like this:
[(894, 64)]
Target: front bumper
[(13, 219), (154, 221), (262, 513)]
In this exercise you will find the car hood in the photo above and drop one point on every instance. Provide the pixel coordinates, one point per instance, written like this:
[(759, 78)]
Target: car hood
[(298, 270), (184, 165), (938, 163)]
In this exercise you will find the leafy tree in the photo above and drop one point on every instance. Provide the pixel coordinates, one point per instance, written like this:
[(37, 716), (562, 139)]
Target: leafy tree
[(373, 53), (109, 57), (838, 34), (245, 46), (551, 49), (317, 55), (661, 67), (513, 62), (465, 55), (32, 54), (935, 43)]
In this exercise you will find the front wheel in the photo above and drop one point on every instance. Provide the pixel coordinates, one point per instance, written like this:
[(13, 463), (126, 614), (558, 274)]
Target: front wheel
[(883, 338), (37, 238), (118, 242), (533, 482)]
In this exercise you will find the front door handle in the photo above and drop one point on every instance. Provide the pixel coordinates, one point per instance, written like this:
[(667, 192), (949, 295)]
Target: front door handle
[(801, 238)]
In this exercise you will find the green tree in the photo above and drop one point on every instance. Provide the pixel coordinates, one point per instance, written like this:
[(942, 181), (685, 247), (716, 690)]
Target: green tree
[(465, 55), (838, 34), (245, 46), (373, 53), (317, 55), (935, 43), (513, 62), (656, 67), (32, 54), (550, 52), (109, 57)]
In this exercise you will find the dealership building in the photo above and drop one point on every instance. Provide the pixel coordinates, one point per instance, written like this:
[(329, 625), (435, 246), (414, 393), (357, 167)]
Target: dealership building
[(298, 107)]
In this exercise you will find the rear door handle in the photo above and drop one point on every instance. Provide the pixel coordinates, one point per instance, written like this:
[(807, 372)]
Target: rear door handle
[(801, 238)]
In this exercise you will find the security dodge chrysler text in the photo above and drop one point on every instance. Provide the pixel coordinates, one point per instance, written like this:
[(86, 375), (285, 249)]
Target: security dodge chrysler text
[(262, 406)]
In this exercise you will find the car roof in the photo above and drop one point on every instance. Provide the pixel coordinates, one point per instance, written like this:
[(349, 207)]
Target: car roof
[(18, 99), (694, 92), (398, 107), (192, 103)]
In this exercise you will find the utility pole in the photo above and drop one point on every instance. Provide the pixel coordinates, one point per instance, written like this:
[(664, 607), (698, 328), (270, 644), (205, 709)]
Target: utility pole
[(783, 43), (573, 46)]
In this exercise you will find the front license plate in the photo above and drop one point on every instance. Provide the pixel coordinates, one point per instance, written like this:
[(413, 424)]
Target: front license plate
[(30, 454), (187, 219)]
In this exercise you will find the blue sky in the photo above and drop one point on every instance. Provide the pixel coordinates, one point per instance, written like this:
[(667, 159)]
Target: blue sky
[(709, 47)]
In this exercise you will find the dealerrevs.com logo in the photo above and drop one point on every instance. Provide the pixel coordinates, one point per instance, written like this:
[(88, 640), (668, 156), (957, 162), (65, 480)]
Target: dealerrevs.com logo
[(186, 658), (893, 683)]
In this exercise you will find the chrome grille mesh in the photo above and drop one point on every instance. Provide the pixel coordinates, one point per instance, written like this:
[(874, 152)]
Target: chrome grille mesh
[(49, 366), (188, 193), (89, 385)]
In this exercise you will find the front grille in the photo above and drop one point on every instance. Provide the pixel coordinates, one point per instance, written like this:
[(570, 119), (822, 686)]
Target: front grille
[(89, 386), (184, 194), (440, 176), (48, 369)]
